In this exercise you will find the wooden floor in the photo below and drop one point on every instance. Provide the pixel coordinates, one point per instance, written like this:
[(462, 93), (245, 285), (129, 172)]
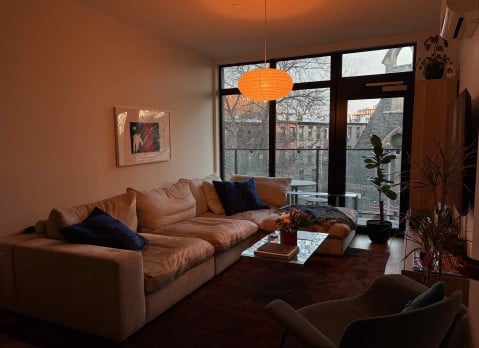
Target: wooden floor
[(394, 246)]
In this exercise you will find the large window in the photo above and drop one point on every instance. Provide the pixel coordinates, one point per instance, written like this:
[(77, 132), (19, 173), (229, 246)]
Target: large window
[(318, 131)]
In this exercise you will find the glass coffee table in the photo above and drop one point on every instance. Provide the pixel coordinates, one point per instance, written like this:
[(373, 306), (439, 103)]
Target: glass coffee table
[(308, 242)]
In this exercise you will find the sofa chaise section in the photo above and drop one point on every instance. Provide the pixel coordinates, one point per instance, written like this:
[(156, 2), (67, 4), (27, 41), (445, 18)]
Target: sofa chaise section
[(340, 235)]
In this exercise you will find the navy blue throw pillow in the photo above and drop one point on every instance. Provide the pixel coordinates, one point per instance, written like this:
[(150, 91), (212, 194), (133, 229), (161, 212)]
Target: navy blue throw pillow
[(101, 229), (434, 294), (238, 196)]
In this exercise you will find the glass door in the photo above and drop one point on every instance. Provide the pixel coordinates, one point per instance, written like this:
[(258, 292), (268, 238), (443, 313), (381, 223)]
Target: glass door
[(374, 97), (383, 117)]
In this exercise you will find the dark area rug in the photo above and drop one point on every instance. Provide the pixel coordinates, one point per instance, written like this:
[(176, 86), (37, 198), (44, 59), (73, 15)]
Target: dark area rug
[(229, 310)]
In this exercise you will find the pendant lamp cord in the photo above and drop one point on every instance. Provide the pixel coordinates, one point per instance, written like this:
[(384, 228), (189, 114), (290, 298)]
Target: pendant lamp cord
[(265, 30)]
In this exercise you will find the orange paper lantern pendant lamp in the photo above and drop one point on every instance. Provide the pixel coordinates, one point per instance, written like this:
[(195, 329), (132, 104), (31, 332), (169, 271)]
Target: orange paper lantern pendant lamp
[(265, 83)]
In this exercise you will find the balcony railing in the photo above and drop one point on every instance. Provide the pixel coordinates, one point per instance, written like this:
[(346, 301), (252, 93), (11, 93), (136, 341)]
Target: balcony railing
[(312, 165)]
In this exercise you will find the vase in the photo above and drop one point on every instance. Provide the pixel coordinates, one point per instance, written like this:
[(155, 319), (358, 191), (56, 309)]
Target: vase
[(288, 236), (427, 264)]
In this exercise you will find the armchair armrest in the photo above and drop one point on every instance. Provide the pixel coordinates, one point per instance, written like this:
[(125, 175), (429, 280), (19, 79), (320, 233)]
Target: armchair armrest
[(90, 288), (297, 325)]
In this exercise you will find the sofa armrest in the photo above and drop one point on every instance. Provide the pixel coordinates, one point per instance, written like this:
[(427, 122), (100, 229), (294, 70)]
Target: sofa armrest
[(90, 288)]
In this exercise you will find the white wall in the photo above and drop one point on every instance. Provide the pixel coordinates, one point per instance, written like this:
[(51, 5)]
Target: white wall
[(63, 66), (469, 78)]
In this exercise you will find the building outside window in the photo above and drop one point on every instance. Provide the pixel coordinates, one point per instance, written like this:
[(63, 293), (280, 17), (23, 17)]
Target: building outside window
[(292, 133)]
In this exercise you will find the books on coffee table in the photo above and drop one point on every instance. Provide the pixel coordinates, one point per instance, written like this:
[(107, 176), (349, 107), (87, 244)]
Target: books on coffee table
[(277, 251)]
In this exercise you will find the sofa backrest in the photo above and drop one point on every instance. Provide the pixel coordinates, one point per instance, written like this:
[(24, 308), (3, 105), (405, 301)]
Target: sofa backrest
[(271, 190), (196, 188), (164, 206), (121, 207)]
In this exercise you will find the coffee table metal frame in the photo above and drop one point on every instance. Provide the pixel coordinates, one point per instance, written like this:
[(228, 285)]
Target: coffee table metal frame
[(308, 242)]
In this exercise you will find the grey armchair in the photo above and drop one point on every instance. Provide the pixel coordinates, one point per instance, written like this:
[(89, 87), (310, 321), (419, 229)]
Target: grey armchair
[(374, 319)]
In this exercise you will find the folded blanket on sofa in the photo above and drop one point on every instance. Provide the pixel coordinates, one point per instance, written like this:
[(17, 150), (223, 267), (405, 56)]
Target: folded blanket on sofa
[(324, 215)]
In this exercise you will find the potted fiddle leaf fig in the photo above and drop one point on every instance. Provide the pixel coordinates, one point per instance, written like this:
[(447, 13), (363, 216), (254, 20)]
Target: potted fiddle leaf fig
[(379, 231), (433, 65)]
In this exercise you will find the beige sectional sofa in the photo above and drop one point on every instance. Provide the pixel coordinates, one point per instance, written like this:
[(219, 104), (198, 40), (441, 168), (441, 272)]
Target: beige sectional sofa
[(113, 292)]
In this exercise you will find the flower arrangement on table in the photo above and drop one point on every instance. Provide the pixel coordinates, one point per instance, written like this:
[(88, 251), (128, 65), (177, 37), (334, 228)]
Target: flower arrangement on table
[(293, 220), (289, 223)]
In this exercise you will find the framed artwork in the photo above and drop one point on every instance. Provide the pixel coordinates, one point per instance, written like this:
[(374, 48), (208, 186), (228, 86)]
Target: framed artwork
[(451, 71), (142, 136)]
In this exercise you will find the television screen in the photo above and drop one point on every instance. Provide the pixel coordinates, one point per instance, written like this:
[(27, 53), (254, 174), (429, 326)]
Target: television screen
[(464, 131)]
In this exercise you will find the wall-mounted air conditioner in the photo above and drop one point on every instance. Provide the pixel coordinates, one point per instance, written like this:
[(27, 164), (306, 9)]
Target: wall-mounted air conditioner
[(459, 18)]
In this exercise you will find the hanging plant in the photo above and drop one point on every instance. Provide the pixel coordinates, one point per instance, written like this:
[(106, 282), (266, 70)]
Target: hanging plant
[(434, 64)]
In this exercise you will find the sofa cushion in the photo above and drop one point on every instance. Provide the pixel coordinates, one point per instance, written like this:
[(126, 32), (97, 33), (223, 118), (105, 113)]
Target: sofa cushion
[(121, 207), (265, 219), (212, 199), (196, 188), (271, 190), (238, 196), (101, 229), (222, 233), (164, 206), (165, 258)]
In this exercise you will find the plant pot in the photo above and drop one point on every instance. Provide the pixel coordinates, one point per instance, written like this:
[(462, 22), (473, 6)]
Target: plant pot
[(377, 232), (468, 267), (433, 71)]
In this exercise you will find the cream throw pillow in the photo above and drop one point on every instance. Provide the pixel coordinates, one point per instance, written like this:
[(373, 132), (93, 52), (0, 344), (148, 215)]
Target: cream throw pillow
[(212, 198), (164, 206), (271, 190), (121, 207), (196, 188)]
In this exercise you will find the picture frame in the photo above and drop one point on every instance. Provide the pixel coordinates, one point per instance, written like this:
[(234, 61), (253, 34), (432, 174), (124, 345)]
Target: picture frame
[(141, 135), (451, 71)]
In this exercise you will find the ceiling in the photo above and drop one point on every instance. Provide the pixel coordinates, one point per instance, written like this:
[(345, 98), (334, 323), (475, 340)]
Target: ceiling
[(235, 28)]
